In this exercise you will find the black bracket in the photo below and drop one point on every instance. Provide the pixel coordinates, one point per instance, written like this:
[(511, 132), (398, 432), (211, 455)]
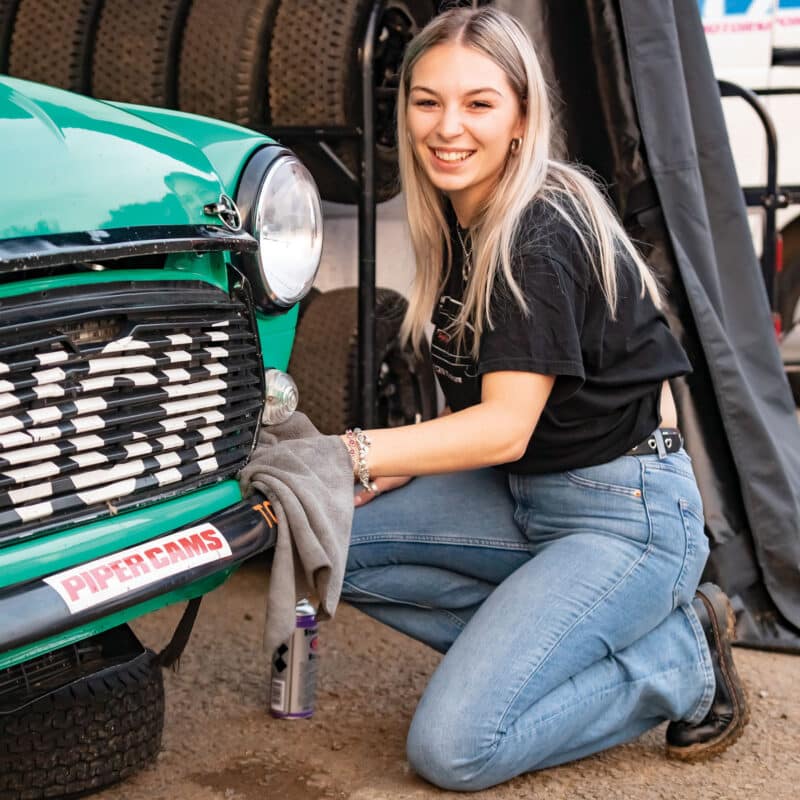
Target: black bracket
[(770, 197), (364, 183)]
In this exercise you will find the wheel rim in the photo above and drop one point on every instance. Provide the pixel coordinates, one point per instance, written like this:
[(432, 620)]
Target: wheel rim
[(396, 29), (395, 378)]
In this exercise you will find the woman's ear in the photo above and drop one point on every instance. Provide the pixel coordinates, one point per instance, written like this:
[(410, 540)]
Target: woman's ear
[(521, 126)]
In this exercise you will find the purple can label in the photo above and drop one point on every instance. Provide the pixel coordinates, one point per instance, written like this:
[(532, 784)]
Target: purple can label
[(294, 669)]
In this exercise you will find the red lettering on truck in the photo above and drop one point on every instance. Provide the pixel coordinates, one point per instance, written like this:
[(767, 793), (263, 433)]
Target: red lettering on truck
[(73, 584), (101, 574), (212, 538), (136, 564), (157, 562), (174, 552), (193, 545)]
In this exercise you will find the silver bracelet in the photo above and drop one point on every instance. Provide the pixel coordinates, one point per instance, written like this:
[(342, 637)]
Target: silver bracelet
[(360, 444)]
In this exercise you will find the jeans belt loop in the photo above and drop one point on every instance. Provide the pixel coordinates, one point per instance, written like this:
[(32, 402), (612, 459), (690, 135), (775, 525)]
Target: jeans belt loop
[(662, 450)]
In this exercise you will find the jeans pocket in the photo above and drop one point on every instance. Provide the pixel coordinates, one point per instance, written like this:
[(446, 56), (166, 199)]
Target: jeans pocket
[(678, 463), (602, 480), (694, 555)]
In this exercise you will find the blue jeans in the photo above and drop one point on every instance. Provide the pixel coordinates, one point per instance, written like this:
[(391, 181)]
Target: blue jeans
[(561, 603)]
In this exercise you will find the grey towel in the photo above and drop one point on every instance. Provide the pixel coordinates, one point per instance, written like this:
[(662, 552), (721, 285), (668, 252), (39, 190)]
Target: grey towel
[(308, 479)]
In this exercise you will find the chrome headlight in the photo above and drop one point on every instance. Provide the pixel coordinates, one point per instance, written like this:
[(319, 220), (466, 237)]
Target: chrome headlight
[(281, 397), (281, 208)]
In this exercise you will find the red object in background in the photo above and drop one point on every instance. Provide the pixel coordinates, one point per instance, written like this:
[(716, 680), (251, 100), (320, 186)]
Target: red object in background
[(776, 321)]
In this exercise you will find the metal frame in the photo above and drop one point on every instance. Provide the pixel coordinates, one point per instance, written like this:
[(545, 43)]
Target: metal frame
[(322, 136), (770, 197)]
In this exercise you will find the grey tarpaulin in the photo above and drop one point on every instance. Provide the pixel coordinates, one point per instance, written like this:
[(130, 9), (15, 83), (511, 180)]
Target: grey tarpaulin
[(638, 102), (692, 167)]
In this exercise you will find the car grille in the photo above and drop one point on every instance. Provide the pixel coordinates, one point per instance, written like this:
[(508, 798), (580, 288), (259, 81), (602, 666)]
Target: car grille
[(118, 395)]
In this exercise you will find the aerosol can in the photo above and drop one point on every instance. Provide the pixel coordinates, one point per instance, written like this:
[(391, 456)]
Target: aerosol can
[(294, 668)]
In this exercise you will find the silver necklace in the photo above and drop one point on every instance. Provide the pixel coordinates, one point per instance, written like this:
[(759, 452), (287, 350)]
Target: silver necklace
[(466, 254)]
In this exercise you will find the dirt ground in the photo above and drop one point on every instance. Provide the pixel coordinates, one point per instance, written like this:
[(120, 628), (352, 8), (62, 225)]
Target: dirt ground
[(220, 743)]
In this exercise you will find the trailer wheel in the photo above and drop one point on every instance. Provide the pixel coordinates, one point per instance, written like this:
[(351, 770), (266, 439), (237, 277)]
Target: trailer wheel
[(324, 364), (136, 51), (315, 79), (223, 63), (97, 730), (52, 42), (789, 292)]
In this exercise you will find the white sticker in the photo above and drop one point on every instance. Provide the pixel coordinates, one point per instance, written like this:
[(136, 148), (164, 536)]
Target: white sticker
[(117, 574)]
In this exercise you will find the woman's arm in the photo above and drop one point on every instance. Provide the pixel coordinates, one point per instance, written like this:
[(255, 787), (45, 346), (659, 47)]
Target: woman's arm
[(495, 431)]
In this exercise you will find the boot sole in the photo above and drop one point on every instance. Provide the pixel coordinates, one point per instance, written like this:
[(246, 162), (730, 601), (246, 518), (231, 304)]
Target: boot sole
[(705, 750)]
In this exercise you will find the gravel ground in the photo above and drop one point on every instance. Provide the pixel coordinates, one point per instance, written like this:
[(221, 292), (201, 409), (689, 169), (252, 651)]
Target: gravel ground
[(220, 743)]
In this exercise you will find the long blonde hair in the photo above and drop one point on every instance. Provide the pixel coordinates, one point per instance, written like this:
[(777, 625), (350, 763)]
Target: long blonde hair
[(529, 173)]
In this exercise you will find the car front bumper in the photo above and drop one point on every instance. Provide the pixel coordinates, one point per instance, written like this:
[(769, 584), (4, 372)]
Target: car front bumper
[(42, 608)]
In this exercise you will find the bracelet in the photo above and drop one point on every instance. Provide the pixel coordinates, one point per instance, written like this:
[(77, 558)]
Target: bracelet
[(358, 445)]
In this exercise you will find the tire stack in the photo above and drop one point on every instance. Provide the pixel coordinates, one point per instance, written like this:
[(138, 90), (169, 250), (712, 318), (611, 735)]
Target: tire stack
[(253, 62), (257, 63)]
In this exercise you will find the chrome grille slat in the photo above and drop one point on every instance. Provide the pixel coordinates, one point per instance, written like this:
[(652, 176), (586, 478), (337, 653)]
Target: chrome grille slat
[(81, 480), (114, 453), (122, 404), (94, 422), (118, 491)]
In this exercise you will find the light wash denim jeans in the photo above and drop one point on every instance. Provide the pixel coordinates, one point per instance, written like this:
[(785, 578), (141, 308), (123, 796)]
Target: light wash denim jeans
[(561, 602)]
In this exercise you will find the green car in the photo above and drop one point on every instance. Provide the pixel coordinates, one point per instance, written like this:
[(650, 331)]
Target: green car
[(151, 263)]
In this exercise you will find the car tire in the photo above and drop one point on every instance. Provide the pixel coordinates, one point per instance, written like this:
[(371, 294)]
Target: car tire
[(51, 42), (136, 51), (8, 10), (93, 732), (316, 80), (324, 364), (223, 67)]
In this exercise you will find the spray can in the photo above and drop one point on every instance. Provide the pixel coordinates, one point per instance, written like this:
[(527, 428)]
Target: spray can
[(294, 668)]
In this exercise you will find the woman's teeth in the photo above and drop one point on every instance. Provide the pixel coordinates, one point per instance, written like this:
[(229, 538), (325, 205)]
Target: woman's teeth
[(452, 156)]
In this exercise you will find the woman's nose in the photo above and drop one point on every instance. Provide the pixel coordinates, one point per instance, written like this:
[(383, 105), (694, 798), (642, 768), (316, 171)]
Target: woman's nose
[(451, 123)]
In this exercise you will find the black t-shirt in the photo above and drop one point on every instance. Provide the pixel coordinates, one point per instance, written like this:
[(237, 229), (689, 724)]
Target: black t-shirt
[(608, 371)]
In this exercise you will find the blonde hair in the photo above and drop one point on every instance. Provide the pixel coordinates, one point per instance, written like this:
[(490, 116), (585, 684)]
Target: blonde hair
[(529, 173)]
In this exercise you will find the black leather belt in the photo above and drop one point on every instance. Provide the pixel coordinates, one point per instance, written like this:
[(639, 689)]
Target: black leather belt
[(661, 441)]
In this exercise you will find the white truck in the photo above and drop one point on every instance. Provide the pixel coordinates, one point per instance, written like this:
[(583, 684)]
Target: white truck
[(755, 44)]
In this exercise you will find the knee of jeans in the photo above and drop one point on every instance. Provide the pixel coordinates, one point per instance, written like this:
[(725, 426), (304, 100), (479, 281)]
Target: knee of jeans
[(350, 590), (448, 756)]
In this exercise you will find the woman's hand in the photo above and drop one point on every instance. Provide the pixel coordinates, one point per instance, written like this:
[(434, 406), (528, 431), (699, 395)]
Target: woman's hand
[(382, 485)]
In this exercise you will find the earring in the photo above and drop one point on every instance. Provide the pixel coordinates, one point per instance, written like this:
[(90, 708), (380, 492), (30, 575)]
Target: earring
[(515, 145)]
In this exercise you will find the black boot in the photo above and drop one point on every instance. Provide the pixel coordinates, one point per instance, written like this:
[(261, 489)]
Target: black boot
[(729, 713)]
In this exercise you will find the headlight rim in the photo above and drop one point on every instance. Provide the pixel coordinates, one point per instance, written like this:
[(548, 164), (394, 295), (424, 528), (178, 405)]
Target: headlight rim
[(255, 174)]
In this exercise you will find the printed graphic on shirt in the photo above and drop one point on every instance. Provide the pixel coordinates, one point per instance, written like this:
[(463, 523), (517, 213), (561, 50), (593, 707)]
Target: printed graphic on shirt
[(448, 363)]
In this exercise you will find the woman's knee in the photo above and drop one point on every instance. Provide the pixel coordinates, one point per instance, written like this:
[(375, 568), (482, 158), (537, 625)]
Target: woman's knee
[(449, 754)]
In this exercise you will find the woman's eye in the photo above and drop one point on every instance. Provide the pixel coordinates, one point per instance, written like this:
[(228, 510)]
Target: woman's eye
[(481, 104), (425, 103)]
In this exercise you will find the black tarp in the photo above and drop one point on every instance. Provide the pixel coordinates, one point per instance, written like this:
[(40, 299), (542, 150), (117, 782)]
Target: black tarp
[(639, 104)]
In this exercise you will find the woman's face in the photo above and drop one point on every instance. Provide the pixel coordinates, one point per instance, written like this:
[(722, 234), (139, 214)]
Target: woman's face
[(462, 115)]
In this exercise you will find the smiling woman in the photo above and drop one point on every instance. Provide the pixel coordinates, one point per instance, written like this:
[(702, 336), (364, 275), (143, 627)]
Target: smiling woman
[(460, 127), (553, 356)]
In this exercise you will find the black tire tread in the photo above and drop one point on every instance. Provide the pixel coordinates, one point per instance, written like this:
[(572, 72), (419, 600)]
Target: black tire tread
[(311, 47), (51, 42), (84, 736), (136, 51), (320, 363), (223, 61), (316, 81), (324, 358), (8, 10)]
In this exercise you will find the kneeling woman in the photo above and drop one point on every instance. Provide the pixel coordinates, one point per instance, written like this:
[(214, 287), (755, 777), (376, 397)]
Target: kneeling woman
[(561, 583)]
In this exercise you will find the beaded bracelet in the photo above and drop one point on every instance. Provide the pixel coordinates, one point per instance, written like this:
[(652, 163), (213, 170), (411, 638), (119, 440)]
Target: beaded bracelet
[(358, 445)]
